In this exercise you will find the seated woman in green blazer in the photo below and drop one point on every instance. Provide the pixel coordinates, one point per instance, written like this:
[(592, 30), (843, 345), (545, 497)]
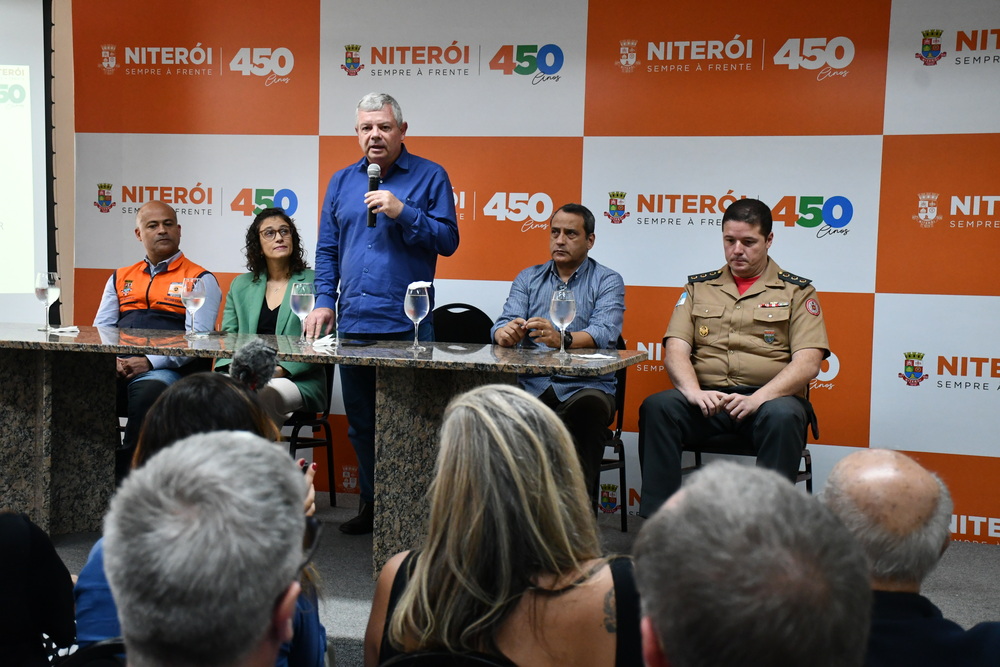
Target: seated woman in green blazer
[(258, 303)]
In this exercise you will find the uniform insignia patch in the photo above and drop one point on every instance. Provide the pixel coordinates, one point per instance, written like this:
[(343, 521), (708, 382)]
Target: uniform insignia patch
[(703, 331), (768, 336), (812, 306), (681, 300)]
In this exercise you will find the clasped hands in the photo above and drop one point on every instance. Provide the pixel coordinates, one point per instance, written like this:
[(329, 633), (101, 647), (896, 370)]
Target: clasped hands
[(537, 328), (130, 367), (712, 402)]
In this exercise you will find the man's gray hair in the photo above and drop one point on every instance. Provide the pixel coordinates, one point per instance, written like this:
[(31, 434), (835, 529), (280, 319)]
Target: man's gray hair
[(199, 544), (905, 558), (743, 569), (375, 102)]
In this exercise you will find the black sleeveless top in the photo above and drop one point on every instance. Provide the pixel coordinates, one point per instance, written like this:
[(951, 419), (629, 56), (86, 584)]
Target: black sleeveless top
[(628, 641)]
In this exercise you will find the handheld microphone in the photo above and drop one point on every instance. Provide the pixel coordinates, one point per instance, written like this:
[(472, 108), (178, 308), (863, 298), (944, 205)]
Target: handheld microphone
[(374, 174), (253, 364)]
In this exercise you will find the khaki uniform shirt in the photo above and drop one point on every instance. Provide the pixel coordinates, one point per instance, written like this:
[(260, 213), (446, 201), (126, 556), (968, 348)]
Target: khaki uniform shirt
[(748, 339)]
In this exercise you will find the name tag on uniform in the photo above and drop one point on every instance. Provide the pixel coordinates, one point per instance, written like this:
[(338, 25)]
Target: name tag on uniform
[(175, 290)]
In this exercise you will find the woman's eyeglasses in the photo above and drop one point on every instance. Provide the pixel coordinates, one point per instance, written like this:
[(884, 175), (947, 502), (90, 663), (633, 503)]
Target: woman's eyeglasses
[(269, 233)]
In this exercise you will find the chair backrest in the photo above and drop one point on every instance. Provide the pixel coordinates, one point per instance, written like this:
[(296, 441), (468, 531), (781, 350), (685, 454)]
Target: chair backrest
[(330, 370), (462, 323), (620, 376)]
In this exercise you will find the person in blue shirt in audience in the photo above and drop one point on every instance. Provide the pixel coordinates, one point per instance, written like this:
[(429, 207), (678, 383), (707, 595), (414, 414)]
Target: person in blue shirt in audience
[(370, 267), (585, 405)]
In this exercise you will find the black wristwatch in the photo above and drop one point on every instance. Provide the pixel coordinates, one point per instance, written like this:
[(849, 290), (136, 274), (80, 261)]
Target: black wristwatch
[(568, 339)]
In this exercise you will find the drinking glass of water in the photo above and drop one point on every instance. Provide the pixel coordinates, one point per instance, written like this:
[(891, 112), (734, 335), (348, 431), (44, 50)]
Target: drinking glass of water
[(302, 302), (562, 310), (193, 298), (47, 290), (416, 306)]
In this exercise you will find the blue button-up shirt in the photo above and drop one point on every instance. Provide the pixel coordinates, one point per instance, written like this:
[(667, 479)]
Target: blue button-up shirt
[(373, 265), (600, 309)]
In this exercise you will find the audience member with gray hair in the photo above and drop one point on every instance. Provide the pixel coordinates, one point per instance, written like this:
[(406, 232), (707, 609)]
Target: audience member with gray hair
[(203, 546), (740, 568), (901, 515)]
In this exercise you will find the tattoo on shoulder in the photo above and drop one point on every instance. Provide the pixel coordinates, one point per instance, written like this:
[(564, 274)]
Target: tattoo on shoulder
[(610, 613)]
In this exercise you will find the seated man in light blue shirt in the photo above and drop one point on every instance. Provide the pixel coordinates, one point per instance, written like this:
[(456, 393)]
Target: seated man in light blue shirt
[(586, 405), (147, 295)]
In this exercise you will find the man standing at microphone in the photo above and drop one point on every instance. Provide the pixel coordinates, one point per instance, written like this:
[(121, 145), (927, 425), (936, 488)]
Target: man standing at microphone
[(372, 258)]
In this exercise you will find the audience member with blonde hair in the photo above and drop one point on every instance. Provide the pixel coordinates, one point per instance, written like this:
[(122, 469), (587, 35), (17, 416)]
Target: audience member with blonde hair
[(512, 565), (901, 515)]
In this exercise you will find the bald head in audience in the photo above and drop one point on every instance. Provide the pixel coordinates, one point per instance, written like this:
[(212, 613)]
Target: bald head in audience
[(899, 511), (901, 515)]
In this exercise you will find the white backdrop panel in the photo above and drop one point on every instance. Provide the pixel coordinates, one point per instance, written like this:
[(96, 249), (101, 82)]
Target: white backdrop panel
[(957, 94), (953, 412), (472, 99), (212, 233), (659, 248)]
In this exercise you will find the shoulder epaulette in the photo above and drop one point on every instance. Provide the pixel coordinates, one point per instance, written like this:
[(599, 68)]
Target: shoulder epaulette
[(702, 277), (794, 279)]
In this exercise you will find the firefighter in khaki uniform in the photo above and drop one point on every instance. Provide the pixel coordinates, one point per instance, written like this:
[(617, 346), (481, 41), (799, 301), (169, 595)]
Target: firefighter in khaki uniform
[(147, 295), (741, 347)]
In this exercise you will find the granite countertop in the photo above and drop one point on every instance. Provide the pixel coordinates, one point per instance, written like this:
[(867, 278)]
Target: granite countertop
[(454, 356)]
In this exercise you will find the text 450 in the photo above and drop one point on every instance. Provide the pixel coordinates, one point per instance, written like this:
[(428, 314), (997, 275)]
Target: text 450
[(528, 59), (815, 52), (252, 201), (262, 61), (519, 206), (834, 211)]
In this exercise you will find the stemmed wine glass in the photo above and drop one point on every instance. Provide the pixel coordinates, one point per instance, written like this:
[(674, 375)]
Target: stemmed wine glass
[(302, 302), (562, 310), (47, 290), (193, 298), (417, 305)]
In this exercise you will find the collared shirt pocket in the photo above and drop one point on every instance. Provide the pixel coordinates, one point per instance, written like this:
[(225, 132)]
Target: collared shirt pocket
[(708, 324), (770, 329)]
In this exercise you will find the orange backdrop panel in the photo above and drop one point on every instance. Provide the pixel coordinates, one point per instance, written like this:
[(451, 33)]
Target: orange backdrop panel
[(767, 99), (647, 312), (843, 401), (972, 482), (519, 178), (122, 96), (936, 256)]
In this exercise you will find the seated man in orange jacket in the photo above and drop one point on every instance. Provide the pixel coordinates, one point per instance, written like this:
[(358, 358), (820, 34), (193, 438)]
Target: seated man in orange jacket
[(147, 295)]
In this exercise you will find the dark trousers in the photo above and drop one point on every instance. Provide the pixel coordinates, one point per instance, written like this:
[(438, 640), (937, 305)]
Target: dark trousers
[(135, 397), (667, 420), (357, 383), (586, 415)]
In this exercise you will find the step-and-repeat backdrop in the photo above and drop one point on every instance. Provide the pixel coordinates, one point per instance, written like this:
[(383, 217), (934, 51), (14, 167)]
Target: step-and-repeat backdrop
[(870, 127)]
